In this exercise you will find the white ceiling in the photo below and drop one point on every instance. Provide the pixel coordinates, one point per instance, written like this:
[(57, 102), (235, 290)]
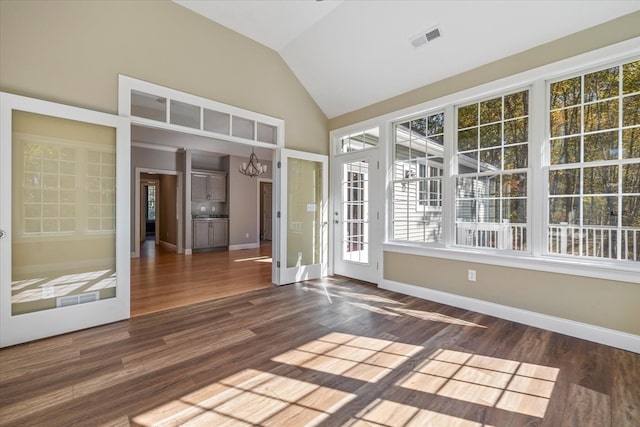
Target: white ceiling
[(351, 53)]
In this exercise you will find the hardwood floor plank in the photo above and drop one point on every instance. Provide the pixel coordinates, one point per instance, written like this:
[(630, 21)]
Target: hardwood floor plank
[(586, 408)]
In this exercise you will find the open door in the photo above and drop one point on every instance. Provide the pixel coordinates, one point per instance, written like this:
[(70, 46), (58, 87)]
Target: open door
[(64, 219), (303, 216)]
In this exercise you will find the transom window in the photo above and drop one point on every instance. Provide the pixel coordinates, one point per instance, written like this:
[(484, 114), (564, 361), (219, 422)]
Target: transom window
[(594, 171), (359, 140), (491, 183)]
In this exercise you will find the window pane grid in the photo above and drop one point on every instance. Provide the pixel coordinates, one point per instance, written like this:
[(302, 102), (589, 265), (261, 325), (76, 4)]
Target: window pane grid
[(594, 182), (418, 179), (492, 161)]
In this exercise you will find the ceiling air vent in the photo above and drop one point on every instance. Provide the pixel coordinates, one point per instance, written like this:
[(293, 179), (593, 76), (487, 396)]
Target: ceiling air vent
[(426, 36)]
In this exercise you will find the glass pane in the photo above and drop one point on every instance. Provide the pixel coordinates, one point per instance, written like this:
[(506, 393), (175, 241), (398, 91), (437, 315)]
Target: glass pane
[(516, 131), (565, 181), (631, 77), (516, 105), (369, 138), (601, 115), (185, 114), (514, 185), (564, 210), (490, 160), (631, 212), (631, 178), (491, 135), (600, 211), (468, 139), (631, 143), (63, 218), (242, 128), (565, 93), (602, 84), (355, 212), (631, 110), (601, 146), (266, 133), (304, 209), (468, 116), (565, 122), (215, 121), (601, 180), (491, 111), (516, 157), (148, 106)]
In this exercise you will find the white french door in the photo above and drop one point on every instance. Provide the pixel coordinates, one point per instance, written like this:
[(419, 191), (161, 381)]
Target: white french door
[(64, 219), (357, 228), (302, 225)]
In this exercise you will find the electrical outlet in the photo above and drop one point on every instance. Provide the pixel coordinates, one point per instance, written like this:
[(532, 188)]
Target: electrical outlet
[(246, 236), (202, 209), (471, 275), (213, 208)]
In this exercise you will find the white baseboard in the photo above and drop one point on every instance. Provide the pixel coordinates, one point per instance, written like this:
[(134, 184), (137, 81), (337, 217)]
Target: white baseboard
[(244, 246), (572, 328), (169, 246)]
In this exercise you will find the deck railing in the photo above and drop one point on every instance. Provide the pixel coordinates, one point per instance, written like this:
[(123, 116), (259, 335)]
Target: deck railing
[(599, 242), (595, 241)]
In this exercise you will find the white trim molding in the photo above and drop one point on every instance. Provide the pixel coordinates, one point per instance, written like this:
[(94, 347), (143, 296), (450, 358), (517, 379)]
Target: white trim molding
[(572, 328)]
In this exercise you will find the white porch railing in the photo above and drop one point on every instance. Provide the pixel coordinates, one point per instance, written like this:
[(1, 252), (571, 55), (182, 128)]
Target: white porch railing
[(503, 235), (601, 241)]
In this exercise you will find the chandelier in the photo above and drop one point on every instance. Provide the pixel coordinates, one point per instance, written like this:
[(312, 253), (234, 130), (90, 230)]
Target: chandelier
[(253, 168)]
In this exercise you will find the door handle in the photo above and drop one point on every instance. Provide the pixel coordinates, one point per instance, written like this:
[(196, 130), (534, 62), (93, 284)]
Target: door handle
[(2, 234)]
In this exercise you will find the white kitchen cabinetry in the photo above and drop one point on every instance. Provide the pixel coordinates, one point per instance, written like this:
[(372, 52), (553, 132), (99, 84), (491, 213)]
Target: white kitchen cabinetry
[(209, 186), (210, 233)]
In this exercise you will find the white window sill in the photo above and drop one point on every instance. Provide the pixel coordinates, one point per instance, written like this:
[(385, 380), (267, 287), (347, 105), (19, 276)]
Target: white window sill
[(623, 271)]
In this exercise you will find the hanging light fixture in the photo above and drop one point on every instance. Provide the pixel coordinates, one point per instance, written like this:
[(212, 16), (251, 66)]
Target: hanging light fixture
[(253, 168)]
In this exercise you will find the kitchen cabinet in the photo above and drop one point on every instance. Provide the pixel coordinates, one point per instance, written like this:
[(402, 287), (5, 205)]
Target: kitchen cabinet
[(210, 233), (210, 186)]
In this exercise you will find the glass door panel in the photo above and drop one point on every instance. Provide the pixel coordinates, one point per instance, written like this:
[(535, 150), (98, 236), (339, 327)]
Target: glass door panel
[(303, 235), (63, 213), (62, 268), (357, 227)]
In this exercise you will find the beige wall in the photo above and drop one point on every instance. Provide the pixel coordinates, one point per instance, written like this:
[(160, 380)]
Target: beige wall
[(243, 203), (605, 303), (72, 52)]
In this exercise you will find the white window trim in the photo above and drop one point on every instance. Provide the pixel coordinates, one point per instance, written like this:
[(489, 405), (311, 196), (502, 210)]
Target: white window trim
[(535, 258)]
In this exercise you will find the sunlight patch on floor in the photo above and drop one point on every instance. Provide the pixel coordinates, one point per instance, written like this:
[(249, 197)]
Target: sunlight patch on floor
[(351, 356), (505, 384), (249, 398)]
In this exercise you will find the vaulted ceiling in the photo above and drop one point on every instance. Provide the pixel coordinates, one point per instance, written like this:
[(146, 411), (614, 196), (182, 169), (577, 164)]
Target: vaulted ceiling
[(352, 53)]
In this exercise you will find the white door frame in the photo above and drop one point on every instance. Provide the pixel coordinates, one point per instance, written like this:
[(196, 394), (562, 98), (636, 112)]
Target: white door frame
[(371, 271), (137, 213)]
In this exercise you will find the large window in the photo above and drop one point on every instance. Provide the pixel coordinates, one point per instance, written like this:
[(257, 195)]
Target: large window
[(594, 164), (491, 183), (417, 179), (359, 141)]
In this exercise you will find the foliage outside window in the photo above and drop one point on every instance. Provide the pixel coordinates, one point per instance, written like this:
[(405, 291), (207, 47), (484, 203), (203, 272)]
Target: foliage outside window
[(492, 162), (594, 170), (359, 140), (417, 179)]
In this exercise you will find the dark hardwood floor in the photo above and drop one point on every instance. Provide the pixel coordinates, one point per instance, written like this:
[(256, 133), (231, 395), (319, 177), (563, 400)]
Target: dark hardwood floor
[(331, 352), (162, 279)]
